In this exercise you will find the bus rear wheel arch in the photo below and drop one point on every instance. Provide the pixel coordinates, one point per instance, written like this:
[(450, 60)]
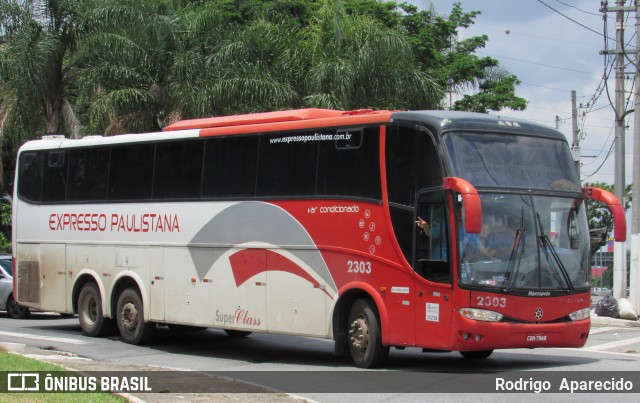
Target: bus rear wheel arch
[(92, 320), (365, 335), (130, 318)]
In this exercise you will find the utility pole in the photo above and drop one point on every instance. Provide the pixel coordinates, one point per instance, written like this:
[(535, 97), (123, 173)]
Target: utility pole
[(575, 146), (634, 280), (619, 251), (619, 248)]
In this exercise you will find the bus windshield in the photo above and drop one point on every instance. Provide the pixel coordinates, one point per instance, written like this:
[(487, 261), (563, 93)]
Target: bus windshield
[(512, 161), (527, 243)]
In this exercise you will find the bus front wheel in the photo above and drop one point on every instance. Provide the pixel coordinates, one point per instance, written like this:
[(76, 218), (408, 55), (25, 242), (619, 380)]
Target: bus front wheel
[(365, 337), (92, 322), (130, 318)]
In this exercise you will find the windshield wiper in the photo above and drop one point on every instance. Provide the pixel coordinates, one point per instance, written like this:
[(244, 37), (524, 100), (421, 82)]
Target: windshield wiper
[(551, 250), (516, 255)]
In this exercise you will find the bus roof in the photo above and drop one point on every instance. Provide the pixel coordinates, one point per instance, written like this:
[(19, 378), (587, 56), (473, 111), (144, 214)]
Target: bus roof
[(280, 121), (297, 119), (301, 119), (457, 120)]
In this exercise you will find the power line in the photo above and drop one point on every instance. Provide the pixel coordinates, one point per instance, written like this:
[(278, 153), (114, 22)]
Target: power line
[(605, 160), (539, 64), (579, 9), (570, 19), (548, 88)]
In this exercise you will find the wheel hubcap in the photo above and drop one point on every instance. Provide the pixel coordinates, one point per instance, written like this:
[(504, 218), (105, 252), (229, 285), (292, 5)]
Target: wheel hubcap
[(129, 316), (359, 334), (90, 310)]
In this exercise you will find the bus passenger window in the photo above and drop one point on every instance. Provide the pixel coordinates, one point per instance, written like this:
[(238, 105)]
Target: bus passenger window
[(178, 170), (88, 174), (54, 181), (131, 172), (31, 167)]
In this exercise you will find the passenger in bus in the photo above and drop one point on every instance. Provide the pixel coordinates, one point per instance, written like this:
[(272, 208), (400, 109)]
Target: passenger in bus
[(437, 245), (424, 226), (500, 240), (472, 246)]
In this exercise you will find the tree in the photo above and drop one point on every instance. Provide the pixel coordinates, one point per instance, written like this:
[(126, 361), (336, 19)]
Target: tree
[(281, 61), (126, 54), (227, 68), (68, 62), (495, 93), (356, 62), (35, 73), (600, 217), (452, 62)]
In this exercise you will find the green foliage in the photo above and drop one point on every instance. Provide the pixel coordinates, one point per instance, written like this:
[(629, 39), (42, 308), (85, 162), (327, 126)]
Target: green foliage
[(85, 67), (15, 363), (5, 226), (495, 95)]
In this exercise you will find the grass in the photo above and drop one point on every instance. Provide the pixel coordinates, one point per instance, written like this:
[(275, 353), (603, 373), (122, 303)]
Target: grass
[(18, 363)]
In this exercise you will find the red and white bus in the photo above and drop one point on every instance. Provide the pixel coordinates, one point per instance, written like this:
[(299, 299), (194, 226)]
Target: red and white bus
[(304, 222)]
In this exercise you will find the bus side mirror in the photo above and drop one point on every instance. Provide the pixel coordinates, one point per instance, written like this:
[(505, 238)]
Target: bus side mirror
[(471, 200), (619, 220)]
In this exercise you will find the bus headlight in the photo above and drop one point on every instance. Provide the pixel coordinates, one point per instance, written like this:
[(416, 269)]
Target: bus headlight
[(481, 314), (580, 315)]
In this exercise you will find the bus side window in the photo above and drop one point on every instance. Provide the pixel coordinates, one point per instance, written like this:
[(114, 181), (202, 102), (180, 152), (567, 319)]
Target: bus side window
[(54, 186), (432, 244), (88, 174), (131, 172), (286, 168), (30, 174), (356, 153), (230, 166), (178, 170)]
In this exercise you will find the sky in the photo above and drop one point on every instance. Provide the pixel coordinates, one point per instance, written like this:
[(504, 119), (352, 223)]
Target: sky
[(552, 55)]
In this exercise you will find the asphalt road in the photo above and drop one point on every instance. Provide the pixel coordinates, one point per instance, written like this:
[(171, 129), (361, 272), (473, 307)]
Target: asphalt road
[(609, 350)]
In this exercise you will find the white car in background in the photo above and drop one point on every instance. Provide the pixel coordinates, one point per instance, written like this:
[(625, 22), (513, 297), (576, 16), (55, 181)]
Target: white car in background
[(7, 302)]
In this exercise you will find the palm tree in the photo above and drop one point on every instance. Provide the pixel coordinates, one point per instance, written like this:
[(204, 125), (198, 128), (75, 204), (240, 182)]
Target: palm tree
[(356, 62), (126, 54), (35, 72), (336, 61), (226, 68)]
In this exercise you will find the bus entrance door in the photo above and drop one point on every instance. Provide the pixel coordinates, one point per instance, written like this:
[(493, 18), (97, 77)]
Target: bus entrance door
[(433, 276)]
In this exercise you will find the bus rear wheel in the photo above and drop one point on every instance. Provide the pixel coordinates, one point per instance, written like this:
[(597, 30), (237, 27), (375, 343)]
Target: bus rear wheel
[(16, 311), (476, 355), (130, 318), (365, 337), (92, 322)]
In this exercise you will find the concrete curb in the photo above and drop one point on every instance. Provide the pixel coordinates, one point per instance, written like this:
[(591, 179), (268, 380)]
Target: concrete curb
[(70, 362), (605, 321)]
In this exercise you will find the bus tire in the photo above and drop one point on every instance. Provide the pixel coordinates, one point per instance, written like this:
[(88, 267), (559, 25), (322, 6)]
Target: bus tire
[(236, 333), (92, 321), (130, 318), (476, 355), (365, 336), (16, 311)]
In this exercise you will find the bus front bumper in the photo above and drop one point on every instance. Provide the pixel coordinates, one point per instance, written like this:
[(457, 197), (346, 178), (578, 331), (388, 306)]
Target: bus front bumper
[(472, 335)]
